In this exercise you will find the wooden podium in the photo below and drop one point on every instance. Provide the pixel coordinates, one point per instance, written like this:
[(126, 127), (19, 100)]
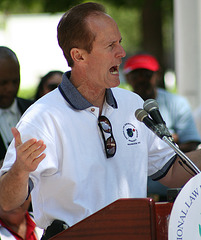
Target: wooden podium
[(124, 219)]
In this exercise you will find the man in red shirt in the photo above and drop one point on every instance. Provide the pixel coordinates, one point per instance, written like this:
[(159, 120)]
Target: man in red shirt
[(18, 224)]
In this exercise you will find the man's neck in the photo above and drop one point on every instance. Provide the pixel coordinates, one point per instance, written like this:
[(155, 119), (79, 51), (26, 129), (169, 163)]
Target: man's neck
[(94, 95), (19, 227)]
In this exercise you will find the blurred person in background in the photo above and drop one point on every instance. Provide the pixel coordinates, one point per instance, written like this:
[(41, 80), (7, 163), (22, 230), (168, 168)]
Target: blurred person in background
[(143, 73), (11, 106), (48, 82), (19, 224), (197, 118)]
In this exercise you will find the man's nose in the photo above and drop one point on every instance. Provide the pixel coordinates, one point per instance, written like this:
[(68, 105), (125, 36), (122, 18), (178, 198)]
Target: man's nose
[(121, 52)]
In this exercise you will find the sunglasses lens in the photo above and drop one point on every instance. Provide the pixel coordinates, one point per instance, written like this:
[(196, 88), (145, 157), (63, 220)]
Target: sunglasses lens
[(111, 146), (105, 126)]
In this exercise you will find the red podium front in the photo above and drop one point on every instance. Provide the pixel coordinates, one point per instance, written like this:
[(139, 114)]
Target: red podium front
[(124, 219)]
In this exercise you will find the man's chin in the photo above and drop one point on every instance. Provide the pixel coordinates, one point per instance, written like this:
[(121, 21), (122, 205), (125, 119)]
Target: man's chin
[(115, 82)]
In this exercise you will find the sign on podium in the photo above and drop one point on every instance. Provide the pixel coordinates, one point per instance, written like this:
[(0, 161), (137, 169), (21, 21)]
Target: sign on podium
[(185, 218)]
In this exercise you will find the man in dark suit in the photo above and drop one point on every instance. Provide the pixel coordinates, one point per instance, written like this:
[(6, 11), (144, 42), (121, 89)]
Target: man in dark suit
[(11, 107)]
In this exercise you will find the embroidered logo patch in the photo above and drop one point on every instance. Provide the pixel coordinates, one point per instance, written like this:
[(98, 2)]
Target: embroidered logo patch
[(130, 132)]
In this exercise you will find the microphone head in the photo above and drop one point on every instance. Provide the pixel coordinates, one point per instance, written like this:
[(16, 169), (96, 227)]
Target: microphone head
[(140, 114), (150, 104)]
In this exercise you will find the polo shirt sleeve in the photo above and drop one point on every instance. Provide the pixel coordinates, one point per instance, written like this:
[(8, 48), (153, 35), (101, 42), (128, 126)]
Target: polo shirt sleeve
[(162, 172), (161, 157)]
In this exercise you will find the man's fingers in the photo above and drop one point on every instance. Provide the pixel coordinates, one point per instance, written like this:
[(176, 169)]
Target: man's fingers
[(30, 153), (38, 159), (18, 141), (35, 150), (30, 147), (17, 136)]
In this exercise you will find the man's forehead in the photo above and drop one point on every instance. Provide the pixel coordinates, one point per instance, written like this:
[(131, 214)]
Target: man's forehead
[(9, 61), (9, 70), (105, 29), (99, 20)]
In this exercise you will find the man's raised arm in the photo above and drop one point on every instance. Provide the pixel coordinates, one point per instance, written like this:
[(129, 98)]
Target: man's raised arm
[(14, 183)]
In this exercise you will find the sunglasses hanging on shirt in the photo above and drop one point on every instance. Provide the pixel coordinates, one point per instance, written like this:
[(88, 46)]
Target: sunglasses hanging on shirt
[(108, 138)]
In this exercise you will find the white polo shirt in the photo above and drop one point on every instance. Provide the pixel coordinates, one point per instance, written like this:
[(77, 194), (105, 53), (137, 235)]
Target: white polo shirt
[(76, 178)]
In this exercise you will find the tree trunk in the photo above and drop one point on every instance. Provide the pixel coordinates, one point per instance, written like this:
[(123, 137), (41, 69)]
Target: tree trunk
[(152, 38)]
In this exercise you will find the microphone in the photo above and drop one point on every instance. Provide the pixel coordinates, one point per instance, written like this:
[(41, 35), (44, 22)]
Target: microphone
[(159, 129), (142, 116), (151, 106)]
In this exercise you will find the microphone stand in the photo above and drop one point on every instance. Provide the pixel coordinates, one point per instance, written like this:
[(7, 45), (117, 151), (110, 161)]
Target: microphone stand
[(184, 158)]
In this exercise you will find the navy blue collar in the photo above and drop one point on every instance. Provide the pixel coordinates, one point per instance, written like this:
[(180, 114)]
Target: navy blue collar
[(75, 99)]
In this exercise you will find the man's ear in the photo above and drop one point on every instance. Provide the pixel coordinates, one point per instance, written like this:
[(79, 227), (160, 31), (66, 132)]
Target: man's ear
[(77, 54)]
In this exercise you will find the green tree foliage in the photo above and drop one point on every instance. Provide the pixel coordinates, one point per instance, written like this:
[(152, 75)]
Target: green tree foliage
[(144, 24), (36, 6), (126, 17)]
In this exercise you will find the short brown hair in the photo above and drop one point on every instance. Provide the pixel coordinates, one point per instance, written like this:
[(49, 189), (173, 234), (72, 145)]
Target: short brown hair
[(73, 31)]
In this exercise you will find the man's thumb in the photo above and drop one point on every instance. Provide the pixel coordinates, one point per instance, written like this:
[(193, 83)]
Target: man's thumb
[(16, 135)]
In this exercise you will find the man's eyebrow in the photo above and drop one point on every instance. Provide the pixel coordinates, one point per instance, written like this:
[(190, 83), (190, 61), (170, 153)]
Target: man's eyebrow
[(114, 41)]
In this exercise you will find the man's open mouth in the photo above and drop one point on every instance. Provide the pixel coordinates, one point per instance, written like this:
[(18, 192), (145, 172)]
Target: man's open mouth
[(114, 70)]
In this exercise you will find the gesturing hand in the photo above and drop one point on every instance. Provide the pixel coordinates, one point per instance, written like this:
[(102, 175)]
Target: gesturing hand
[(28, 154)]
